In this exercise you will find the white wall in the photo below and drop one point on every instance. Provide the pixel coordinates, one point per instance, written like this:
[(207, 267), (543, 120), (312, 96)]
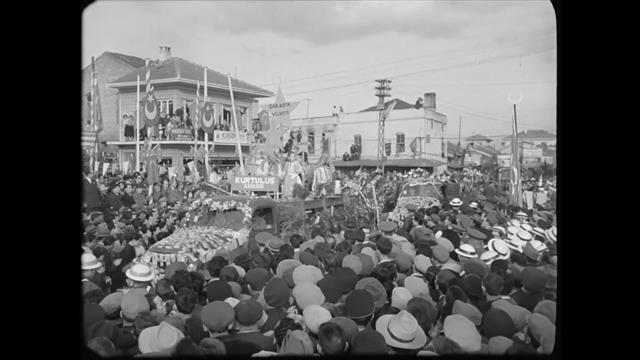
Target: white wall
[(411, 122)]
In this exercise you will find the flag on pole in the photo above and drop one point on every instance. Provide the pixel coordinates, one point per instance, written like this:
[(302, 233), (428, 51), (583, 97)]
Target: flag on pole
[(515, 173), (96, 109), (151, 114), (414, 145), (194, 108), (389, 108), (89, 139)]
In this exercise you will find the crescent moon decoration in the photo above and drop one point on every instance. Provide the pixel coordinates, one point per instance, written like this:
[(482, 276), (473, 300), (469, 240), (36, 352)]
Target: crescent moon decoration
[(150, 110), (207, 119), (515, 101)]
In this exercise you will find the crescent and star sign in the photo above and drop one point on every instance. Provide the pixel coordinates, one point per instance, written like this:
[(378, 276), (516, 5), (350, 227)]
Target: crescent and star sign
[(151, 110), (208, 117)]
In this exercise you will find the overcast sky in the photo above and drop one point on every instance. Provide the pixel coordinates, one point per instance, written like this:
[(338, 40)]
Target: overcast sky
[(472, 54)]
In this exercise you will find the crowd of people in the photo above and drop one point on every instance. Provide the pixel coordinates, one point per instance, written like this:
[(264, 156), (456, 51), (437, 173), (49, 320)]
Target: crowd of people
[(473, 276)]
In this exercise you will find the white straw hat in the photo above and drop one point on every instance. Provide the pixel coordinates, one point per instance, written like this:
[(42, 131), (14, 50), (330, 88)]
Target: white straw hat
[(90, 262), (524, 235), (500, 247), (466, 250), (455, 202), (140, 272), (489, 256)]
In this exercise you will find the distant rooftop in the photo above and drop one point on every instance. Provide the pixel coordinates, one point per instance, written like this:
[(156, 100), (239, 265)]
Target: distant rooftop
[(533, 134), (400, 105), (478, 137)]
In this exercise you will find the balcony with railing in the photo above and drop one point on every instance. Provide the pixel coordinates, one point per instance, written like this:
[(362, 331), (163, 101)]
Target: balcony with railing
[(181, 132)]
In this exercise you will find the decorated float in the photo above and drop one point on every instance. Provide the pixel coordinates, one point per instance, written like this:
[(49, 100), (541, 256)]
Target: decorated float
[(215, 224), (210, 224), (275, 191)]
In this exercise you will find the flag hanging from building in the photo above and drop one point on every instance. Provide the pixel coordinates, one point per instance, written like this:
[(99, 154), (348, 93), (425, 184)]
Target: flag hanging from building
[(195, 110), (96, 109), (414, 145), (89, 139), (208, 117), (389, 108), (151, 113)]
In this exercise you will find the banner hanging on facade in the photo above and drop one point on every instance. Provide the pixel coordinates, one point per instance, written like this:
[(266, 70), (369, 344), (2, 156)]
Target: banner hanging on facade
[(228, 137)]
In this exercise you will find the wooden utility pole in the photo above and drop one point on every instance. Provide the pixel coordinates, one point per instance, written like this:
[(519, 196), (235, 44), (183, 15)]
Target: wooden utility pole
[(459, 130)]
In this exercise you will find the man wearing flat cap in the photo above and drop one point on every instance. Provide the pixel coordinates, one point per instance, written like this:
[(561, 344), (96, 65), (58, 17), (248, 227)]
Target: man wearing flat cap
[(388, 229), (139, 196), (249, 316), (114, 197)]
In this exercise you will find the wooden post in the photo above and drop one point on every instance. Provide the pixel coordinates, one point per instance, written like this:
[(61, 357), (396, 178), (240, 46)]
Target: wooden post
[(206, 134), (235, 122), (138, 123)]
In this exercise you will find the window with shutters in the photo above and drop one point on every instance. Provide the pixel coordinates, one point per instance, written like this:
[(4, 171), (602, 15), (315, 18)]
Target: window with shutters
[(226, 117), (387, 148), (357, 140), (166, 107), (399, 143)]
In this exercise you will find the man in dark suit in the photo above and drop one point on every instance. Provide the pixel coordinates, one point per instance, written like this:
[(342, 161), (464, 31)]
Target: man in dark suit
[(91, 199)]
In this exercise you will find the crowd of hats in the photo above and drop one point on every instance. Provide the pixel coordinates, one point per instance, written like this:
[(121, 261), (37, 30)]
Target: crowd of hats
[(475, 280)]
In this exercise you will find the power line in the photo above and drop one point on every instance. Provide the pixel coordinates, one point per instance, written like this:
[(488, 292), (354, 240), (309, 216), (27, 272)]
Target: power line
[(496, 59), (360, 68), (498, 83), (471, 63)]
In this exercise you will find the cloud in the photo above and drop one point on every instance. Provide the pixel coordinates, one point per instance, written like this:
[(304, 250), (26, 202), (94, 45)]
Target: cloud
[(328, 22)]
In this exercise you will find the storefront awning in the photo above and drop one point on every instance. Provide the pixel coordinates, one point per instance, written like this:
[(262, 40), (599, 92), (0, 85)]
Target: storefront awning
[(410, 163)]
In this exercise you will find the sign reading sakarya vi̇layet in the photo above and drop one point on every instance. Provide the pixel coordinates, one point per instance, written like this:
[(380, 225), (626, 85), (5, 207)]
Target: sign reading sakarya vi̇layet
[(254, 183)]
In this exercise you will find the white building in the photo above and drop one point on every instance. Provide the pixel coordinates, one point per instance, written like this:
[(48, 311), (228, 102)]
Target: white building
[(405, 125), (536, 137)]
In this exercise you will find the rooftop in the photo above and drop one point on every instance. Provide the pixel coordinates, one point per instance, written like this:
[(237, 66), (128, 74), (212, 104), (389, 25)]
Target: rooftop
[(400, 105), (533, 134), (134, 61), (176, 69), (485, 149), (478, 137)]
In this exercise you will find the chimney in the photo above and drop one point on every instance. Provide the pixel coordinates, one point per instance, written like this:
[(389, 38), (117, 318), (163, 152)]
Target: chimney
[(165, 53), (430, 101)]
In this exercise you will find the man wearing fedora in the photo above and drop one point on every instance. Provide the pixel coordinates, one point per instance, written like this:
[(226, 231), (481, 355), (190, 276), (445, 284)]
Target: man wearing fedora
[(139, 277), (90, 266), (402, 333)]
